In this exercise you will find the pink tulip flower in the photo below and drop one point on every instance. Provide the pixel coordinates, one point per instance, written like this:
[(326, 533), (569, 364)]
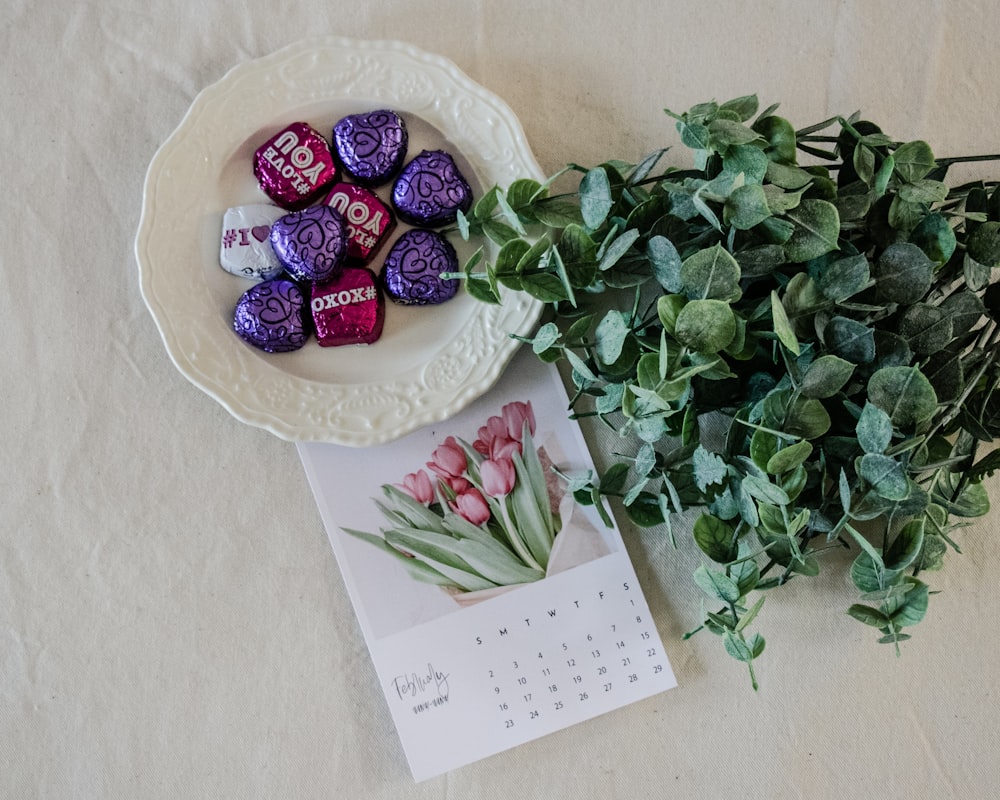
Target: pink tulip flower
[(457, 485), (514, 416), (471, 506), (448, 459), (498, 476), (418, 486)]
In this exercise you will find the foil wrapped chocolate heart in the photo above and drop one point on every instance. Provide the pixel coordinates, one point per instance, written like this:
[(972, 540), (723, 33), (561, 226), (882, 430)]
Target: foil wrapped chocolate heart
[(294, 166), (371, 147), (431, 190), (349, 309), (369, 220), (271, 316), (311, 244), (413, 267), (245, 248)]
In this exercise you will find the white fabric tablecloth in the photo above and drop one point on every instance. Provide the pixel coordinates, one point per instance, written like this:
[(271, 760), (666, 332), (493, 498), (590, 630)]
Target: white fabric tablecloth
[(172, 620)]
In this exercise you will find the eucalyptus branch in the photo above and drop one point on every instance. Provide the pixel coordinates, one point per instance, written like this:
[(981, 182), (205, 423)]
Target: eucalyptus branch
[(813, 306)]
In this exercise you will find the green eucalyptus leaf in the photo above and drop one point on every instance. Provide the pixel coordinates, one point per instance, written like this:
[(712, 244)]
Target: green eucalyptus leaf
[(711, 274), (868, 615), (984, 244), (780, 137), (782, 327), (807, 417), (905, 394), (611, 333), (817, 230), (932, 555), (788, 176), (595, 197), (844, 277), (906, 546), (965, 309), (547, 335), (556, 212), (903, 273), (913, 607), (788, 458), (737, 647), (885, 475), (971, 501), (761, 260), (747, 160), (913, 160), (646, 510), (883, 176), (743, 107), (765, 491), (746, 206), (522, 192), (616, 247), (705, 326), (725, 132), (715, 538), (666, 263), (927, 328), (826, 376), (763, 447), (851, 340), (864, 164), (499, 232), (977, 275), (717, 585), (905, 215), (874, 429), (668, 308), (924, 191)]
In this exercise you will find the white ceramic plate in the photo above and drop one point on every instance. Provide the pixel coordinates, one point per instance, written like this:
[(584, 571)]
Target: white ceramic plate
[(431, 361)]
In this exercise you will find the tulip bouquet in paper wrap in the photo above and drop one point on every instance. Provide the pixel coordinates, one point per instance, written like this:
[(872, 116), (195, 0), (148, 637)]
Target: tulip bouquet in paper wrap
[(822, 296), (480, 516)]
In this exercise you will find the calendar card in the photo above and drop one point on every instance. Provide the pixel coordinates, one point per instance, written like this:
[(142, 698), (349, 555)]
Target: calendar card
[(496, 607)]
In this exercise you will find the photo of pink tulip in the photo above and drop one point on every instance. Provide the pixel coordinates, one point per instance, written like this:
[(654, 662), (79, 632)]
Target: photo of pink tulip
[(478, 516)]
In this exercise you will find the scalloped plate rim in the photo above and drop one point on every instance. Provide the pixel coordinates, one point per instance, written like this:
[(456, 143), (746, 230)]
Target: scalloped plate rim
[(293, 422)]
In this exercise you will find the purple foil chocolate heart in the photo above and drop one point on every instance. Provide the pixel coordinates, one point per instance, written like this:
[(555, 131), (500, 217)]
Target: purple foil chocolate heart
[(430, 190), (412, 270), (271, 316), (311, 244), (371, 147)]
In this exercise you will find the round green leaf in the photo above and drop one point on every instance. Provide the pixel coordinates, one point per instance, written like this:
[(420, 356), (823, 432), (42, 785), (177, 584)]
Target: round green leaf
[(904, 393), (780, 136), (885, 475), (746, 206), (705, 326), (903, 273), (826, 376), (807, 418), (926, 328), (789, 458), (817, 228), (935, 237), (984, 244), (850, 339), (711, 274), (595, 197), (715, 538)]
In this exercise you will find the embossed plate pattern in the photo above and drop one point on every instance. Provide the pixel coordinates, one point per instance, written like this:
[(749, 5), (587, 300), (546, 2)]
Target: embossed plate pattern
[(431, 361)]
